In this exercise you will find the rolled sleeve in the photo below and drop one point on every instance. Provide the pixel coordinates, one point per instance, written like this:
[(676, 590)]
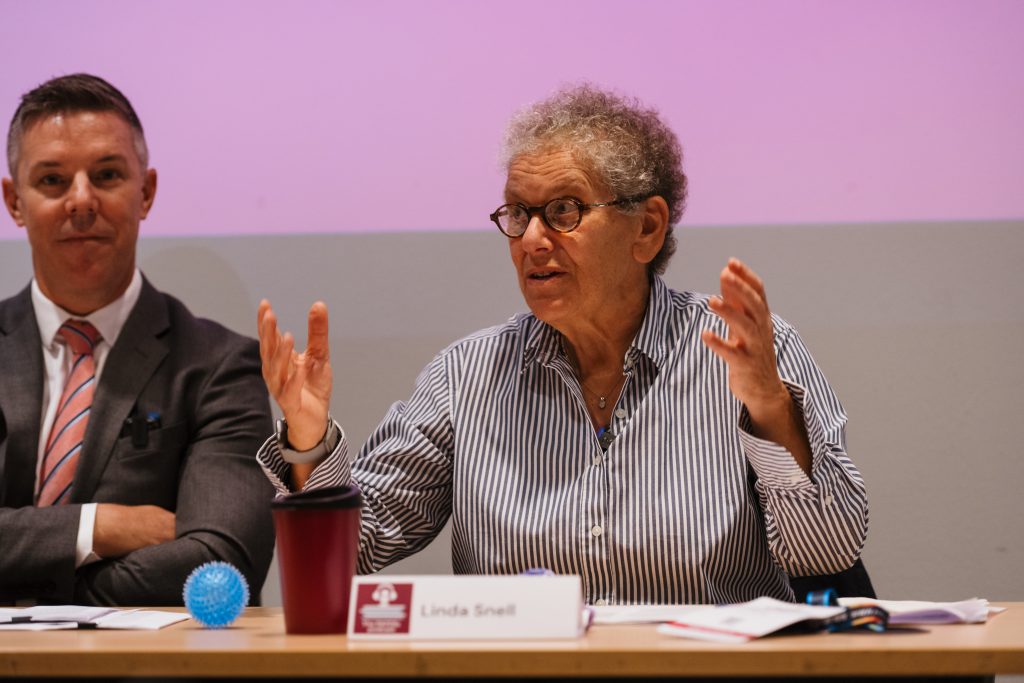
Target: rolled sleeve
[(815, 524)]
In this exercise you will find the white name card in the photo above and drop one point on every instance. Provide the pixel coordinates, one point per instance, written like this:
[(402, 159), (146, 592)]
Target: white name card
[(465, 607)]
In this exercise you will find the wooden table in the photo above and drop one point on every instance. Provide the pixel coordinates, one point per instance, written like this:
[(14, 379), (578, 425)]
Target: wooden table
[(257, 646)]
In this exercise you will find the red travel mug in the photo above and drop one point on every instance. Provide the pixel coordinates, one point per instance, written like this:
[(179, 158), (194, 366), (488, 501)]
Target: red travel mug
[(317, 543)]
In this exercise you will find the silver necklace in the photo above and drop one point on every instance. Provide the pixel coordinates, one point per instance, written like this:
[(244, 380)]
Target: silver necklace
[(602, 401)]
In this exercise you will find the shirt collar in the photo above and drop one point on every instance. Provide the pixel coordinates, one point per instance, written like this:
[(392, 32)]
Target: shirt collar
[(544, 343), (108, 320), (654, 338)]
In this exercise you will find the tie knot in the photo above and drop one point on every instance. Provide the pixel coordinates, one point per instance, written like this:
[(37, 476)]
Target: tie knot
[(80, 336)]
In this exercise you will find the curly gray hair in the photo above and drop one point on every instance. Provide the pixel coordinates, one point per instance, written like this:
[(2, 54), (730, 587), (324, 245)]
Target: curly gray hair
[(626, 145)]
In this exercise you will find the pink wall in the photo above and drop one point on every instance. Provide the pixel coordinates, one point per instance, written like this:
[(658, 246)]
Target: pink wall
[(323, 116)]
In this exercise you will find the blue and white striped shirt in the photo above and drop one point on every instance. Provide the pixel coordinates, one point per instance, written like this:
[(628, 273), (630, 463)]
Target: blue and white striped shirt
[(685, 506)]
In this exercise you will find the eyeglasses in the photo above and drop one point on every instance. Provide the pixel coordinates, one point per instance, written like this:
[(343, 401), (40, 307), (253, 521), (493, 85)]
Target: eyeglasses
[(563, 214)]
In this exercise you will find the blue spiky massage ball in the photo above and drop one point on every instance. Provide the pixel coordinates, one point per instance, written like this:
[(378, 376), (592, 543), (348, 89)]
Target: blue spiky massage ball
[(215, 594)]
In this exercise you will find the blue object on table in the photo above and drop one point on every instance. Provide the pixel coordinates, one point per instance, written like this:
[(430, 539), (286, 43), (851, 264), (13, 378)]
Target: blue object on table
[(537, 571), (215, 594), (871, 618), (825, 597)]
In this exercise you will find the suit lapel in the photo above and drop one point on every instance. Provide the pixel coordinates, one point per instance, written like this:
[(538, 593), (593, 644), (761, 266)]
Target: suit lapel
[(135, 356), (21, 399)]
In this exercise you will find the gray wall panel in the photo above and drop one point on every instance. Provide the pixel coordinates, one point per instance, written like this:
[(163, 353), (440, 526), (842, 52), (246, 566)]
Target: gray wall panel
[(918, 326)]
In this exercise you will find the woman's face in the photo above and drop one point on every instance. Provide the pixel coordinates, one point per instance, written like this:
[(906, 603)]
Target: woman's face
[(580, 277)]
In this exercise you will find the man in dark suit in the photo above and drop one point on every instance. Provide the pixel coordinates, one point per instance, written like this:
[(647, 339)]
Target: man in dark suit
[(127, 425)]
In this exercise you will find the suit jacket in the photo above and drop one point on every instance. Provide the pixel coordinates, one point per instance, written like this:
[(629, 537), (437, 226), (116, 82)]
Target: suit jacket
[(204, 382)]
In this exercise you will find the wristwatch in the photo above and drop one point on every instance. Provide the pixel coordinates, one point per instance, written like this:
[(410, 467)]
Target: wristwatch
[(326, 446)]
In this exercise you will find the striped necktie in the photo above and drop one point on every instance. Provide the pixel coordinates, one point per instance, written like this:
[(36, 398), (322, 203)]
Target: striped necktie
[(64, 445)]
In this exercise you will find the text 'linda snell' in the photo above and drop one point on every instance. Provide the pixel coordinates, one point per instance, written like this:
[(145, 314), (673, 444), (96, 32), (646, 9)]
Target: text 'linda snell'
[(458, 611)]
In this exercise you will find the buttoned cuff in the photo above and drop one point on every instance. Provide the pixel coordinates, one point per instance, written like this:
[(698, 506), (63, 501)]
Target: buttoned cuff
[(774, 465)]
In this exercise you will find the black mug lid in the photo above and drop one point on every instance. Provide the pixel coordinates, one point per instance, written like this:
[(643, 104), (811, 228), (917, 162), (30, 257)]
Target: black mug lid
[(333, 497)]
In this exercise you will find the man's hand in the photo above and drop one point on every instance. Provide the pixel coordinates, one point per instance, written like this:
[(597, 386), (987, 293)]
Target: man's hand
[(299, 382), (749, 351), (121, 529)]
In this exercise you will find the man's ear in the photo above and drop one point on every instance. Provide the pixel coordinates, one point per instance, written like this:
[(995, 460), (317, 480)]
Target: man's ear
[(148, 191), (653, 227), (12, 202)]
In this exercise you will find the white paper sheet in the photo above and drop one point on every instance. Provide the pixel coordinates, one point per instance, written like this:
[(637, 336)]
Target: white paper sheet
[(38, 626), (57, 617), (642, 614), (74, 613), (745, 621)]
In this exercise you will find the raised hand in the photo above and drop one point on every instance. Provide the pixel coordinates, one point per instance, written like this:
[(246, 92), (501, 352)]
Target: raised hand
[(749, 351), (299, 382)]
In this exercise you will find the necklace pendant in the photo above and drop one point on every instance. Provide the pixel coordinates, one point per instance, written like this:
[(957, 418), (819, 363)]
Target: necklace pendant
[(600, 402)]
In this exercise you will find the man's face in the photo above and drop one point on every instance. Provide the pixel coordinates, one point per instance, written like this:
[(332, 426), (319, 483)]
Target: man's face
[(80, 192)]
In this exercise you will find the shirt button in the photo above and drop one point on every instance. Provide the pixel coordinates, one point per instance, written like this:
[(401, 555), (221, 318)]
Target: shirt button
[(596, 530), (600, 603), (598, 461), (828, 499), (620, 413)]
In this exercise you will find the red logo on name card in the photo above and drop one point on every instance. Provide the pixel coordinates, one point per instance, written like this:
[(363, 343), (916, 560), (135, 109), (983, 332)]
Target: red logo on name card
[(383, 608)]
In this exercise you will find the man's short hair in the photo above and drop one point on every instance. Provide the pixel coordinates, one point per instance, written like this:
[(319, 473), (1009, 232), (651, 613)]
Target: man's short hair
[(627, 145), (71, 94)]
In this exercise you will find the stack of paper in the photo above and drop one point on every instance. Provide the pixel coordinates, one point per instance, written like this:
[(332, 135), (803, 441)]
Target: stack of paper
[(54, 617), (973, 611), (746, 621)]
